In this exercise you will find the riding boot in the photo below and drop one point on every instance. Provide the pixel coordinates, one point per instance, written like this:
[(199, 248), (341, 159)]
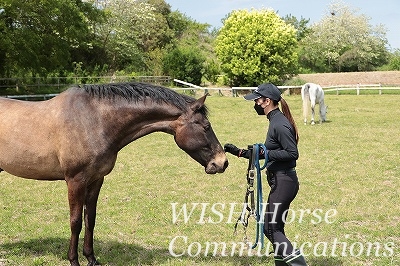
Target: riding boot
[(279, 261), (295, 259)]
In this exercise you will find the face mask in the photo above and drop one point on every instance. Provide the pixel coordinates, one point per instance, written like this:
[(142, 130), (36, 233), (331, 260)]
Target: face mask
[(259, 109)]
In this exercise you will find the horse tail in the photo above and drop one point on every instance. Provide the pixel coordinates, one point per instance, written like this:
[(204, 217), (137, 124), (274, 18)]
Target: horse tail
[(305, 95), (286, 112)]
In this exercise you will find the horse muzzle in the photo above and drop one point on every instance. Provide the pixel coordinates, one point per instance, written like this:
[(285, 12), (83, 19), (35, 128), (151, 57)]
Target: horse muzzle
[(217, 165)]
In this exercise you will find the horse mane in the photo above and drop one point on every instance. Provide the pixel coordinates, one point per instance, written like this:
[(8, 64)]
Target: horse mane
[(138, 91)]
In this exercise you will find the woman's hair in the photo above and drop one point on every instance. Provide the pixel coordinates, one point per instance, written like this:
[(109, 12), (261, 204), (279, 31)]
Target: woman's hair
[(288, 115)]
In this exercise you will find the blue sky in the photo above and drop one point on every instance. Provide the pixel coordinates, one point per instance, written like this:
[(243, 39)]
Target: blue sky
[(386, 12)]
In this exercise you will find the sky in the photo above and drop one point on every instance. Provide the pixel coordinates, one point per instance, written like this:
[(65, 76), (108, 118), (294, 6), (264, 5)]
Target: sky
[(385, 12)]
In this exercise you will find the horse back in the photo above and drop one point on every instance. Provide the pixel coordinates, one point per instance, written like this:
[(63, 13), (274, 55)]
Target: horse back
[(312, 92), (42, 140), (319, 94)]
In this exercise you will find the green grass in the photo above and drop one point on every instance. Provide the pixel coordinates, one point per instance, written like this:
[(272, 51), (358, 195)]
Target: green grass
[(350, 164)]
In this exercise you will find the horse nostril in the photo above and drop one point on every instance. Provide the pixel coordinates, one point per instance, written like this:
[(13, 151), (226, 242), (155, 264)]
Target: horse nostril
[(226, 164)]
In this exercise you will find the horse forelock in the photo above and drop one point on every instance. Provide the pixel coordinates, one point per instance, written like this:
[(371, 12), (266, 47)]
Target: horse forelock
[(137, 91), (203, 110)]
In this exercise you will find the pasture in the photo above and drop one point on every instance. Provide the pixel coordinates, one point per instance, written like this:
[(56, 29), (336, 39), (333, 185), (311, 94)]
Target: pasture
[(349, 164)]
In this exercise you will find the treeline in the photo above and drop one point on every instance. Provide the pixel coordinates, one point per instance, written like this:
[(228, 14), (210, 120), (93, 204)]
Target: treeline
[(64, 37), (146, 38)]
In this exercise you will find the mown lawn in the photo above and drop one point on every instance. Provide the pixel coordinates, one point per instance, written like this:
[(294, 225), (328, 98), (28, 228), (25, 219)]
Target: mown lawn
[(349, 164)]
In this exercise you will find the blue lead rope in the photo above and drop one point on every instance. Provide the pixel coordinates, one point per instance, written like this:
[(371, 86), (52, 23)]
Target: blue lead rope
[(259, 208)]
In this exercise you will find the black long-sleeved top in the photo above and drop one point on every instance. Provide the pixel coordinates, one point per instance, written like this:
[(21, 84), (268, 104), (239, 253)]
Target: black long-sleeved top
[(280, 143)]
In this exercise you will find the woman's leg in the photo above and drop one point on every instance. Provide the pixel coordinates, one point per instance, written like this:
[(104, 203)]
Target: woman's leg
[(284, 188)]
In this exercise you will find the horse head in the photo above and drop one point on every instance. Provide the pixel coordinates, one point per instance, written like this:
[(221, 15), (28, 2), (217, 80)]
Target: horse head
[(194, 135), (323, 110)]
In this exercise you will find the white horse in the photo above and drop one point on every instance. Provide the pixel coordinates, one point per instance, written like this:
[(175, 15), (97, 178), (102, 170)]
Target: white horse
[(313, 93)]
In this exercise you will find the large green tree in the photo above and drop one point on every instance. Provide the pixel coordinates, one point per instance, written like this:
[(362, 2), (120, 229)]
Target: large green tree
[(256, 46), (344, 41), (39, 37), (121, 34), (96, 37), (185, 57), (184, 63), (302, 29)]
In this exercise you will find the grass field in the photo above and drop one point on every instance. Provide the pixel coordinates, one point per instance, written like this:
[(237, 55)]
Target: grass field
[(349, 164)]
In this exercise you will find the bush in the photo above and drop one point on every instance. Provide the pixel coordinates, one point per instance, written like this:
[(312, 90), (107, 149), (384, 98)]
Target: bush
[(185, 64)]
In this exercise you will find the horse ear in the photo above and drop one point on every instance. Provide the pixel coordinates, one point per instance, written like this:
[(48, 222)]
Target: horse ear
[(196, 105)]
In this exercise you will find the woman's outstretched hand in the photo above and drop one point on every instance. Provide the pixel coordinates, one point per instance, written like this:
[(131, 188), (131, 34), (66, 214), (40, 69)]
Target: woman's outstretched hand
[(231, 149)]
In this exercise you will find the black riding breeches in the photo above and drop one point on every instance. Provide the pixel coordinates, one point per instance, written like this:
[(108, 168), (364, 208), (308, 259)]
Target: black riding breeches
[(284, 187)]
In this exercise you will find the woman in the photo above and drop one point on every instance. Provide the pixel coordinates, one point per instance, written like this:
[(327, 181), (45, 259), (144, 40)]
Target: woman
[(282, 153)]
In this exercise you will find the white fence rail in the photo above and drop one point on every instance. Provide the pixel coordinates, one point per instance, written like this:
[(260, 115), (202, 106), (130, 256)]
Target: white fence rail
[(360, 87), (357, 87)]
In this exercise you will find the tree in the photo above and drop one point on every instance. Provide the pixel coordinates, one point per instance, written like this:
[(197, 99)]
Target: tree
[(301, 27), (211, 70), (138, 34), (256, 46), (185, 57), (344, 41), (121, 34), (184, 63), (89, 37), (40, 38), (394, 62)]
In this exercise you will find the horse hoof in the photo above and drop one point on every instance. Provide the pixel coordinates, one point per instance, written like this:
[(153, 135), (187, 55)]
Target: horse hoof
[(74, 263), (94, 263)]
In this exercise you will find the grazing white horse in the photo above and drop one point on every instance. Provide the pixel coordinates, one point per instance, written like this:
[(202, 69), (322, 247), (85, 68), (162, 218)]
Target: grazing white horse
[(313, 93)]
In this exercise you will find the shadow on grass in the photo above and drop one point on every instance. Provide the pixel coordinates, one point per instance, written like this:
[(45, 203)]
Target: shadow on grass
[(107, 253), (116, 253)]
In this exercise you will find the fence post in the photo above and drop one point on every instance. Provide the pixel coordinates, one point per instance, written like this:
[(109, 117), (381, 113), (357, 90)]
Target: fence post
[(380, 89), (358, 89)]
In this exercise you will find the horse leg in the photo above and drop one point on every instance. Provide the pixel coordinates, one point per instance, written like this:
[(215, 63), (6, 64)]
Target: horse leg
[(90, 219), (320, 114), (312, 110), (76, 198), (312, 114), (305, 109)]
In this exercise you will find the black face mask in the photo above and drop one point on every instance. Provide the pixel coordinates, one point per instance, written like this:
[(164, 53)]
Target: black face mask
[(259, 109)]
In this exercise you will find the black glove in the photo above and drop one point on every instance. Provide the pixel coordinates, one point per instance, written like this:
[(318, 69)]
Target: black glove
[(232, 149)]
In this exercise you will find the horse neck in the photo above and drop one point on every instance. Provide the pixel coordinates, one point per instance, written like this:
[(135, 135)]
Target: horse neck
[(321, 100), (133, 121)]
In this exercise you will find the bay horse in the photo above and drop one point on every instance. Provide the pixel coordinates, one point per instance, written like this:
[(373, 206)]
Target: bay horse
[(76, 136), (314, 94)]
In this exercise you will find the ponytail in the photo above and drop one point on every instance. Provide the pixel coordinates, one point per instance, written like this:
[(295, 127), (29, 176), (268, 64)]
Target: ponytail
[(288, 115)]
